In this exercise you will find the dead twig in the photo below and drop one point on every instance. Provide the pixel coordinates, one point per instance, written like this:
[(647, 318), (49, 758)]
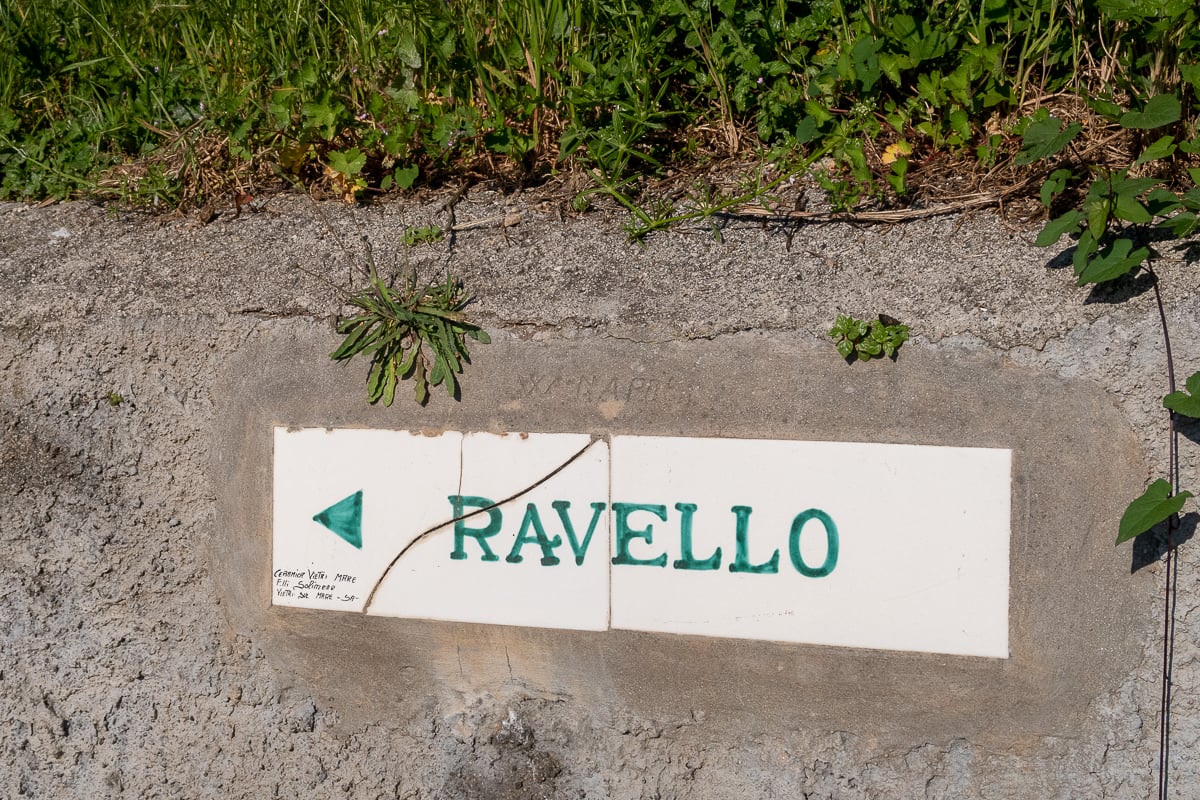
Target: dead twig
[(498, 221), (951, 206)]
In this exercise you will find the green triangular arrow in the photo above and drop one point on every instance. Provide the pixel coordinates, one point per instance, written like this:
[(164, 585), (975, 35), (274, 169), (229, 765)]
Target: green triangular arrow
[(345, 518)]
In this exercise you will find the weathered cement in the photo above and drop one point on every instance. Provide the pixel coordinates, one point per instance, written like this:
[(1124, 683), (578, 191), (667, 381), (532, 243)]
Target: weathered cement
[(140, 655), (744, 386)]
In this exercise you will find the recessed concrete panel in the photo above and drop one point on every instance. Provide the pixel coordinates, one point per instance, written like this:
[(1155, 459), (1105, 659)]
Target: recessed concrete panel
[(1073, 626)]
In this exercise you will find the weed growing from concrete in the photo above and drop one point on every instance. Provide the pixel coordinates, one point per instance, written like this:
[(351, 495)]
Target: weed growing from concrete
[(866, 339), (411, 331)]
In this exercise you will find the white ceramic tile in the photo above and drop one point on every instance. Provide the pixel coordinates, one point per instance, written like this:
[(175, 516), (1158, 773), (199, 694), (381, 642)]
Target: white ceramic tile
[(404, 478), (498, 466), (922, 532), (454, 575)]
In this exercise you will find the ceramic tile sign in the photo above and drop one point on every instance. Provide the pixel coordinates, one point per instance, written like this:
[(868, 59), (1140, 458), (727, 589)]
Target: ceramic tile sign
[(899, 547)]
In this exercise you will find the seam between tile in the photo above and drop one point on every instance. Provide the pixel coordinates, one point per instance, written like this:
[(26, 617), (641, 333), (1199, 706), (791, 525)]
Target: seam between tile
[(608, 550)]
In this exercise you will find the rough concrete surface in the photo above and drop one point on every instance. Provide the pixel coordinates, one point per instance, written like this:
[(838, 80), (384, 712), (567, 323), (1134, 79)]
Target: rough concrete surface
[(136, 662)]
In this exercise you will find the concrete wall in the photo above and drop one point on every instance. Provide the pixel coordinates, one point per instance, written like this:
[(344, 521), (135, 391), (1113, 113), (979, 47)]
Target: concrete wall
[(142, 657)]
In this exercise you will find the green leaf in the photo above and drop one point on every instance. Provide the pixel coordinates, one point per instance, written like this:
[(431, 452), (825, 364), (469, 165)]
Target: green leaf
[(445, 346), (1182, 224), (375, 380), (322, 115), (1161, 202), (1194, 174), (1044, 139), (1191, 74), (1054, 184), (1097, 215), (1155, 505), (378, 337), (1186, 403), (438, 373), (1163, 109), (421, 389), (1133, 186), (406, 48), (866, 61), (307, 76), (405, 367), (1162, 148), (1112, 262), (960, 121), (1128, 207), (841, 327), (1055, 228), (405, 177), (348, 324), (389, 381), (1106, 108), (350, 344), (451, 384), (582, 64), (347, 162)]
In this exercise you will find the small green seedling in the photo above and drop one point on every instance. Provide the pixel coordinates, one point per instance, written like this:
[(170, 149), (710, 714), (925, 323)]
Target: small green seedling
[(114, 399), (423, 235), (409, 331), (863, 340)]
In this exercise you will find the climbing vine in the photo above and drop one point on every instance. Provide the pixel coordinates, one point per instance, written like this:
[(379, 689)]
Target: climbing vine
[(1120, 221)]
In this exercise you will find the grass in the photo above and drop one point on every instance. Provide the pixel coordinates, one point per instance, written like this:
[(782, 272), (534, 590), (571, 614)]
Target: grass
[(188, 103)]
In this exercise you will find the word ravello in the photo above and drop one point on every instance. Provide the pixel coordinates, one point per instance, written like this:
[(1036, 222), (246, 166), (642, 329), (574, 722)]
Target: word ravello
[(634, 526)]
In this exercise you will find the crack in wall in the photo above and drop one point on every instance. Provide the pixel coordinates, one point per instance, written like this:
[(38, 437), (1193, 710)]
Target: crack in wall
[(442, 525)]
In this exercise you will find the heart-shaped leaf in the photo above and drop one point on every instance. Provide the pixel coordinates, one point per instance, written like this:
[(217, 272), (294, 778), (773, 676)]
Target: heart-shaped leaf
[(1181, 225), (1163, 109), (1134, 186), (1055, 228), (1054, 184), (1161, 202), (1186, 403), (1129, 208), (1162, 148), (1155, 505), (1044, 139), (347, 162), (1113, 261)]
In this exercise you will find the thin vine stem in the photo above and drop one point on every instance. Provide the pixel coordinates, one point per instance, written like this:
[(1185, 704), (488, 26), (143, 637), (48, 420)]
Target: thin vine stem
[(1171, 564)]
